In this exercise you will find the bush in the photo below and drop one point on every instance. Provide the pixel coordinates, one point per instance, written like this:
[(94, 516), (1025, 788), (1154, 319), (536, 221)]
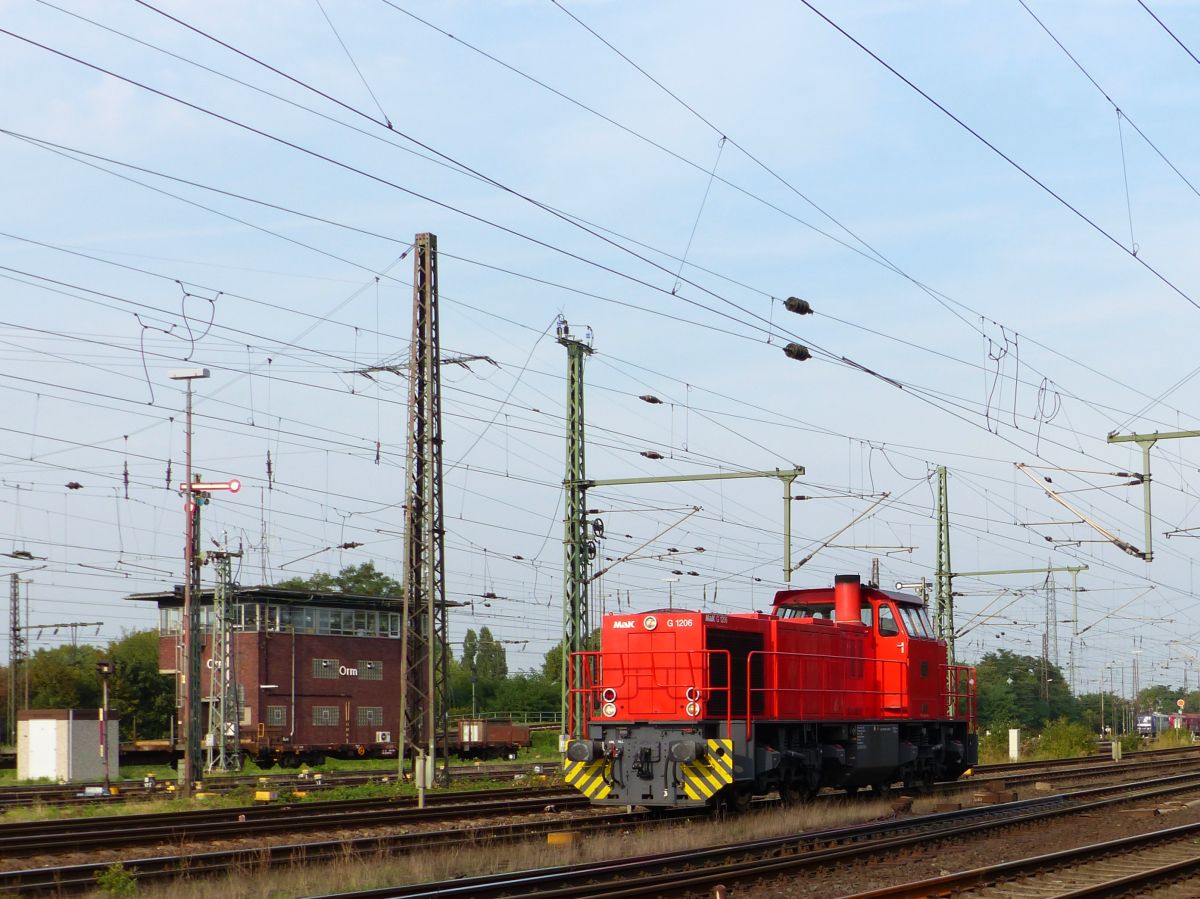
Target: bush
[(1168, 739), (1130, 743), (117, 881), (993, 746), (1063, 739)]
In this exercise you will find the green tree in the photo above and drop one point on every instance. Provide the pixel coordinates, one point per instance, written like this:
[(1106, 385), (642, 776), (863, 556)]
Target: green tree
[(491, 660), (526, 692), (1159, 698), (363, 580), (1012, 692), (552, 660), (470, 652), (143, 698), (64, 678)]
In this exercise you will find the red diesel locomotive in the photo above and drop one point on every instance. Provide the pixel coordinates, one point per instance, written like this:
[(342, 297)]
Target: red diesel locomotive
[(844, 687)]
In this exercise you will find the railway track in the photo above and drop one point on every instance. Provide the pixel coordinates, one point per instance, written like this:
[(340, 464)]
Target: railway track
[(1137, 757), (179, 828), (1056, 773), (1165, 860), (33, 838), (698, 872), (127, 790), (59, 795), (82, 877)]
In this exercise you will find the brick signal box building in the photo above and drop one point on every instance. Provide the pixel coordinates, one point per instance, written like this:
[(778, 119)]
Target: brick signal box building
[(316, 673)]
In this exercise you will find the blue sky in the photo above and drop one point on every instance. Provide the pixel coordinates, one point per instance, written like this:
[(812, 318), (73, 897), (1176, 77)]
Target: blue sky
[(818, 174)]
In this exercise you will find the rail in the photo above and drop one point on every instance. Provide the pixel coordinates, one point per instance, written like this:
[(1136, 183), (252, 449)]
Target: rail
[(827, 686), (961, 693), (532, 718)]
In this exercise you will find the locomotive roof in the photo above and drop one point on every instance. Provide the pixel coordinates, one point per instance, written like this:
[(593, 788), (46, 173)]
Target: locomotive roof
[(278, 596), (825, 594)]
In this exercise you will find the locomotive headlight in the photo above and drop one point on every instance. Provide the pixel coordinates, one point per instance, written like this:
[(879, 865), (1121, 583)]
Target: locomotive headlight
[(686, 750), (693, 709), (692, 694), (609, 709), (609, 695)]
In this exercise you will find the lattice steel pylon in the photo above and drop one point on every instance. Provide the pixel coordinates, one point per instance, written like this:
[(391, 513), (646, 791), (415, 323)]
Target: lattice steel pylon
[(224, 710), (575, 537), (18, 653), (424, 655), (1051, 618), (943, 577)]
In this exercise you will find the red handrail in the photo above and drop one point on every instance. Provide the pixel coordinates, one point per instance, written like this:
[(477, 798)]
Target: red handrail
[(838, 691)]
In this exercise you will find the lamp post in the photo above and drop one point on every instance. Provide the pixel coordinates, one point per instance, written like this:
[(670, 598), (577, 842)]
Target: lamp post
[(190, 772), (104, 668)]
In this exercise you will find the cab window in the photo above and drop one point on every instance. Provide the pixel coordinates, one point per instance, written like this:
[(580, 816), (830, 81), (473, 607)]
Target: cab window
[(867, 614), (887, 621), (807, 610), (913, 622)]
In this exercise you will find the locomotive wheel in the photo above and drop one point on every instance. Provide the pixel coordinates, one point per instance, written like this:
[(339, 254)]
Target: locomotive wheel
[(881, 790), (738, 799), (791, 793), (921, 783)]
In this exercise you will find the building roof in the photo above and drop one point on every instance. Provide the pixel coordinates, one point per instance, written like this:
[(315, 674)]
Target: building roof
[(167, 599)]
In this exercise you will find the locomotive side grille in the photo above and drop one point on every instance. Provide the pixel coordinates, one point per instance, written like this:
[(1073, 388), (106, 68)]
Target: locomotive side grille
[(705, 776), (588, 777)]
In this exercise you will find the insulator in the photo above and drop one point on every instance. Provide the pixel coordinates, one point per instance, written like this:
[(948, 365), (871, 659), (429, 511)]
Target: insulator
[(797, 351), (797, 305), (650, 398), (651, 454)]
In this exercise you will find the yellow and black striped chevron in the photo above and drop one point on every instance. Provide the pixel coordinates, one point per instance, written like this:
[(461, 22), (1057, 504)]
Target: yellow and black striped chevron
[(589, 778), (704, 777)]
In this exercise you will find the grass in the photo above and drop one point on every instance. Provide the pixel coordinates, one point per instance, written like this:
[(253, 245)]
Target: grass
[(1170, 739)]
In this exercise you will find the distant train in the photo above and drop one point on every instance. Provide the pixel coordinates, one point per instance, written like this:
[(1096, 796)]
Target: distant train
[(469, 738), (844, 687), (1151, 724)]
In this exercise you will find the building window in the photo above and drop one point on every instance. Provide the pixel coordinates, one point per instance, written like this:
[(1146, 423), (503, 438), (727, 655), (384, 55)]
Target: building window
[(277, 716), (370, 716), (370, 669), (325, 669), (244, 717), (325, 716)]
